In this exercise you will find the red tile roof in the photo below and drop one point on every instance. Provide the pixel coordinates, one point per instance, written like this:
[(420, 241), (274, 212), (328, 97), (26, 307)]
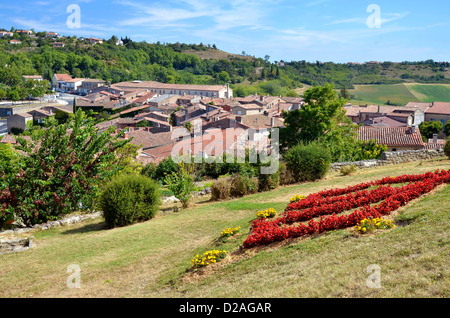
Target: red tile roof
[(392, 136), (439, 108)]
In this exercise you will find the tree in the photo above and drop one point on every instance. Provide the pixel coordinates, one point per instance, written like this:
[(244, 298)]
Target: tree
[(61, 169), (310, 122), (74, 106), (429, 128), (447, 129), (344, 93), (181, 183)]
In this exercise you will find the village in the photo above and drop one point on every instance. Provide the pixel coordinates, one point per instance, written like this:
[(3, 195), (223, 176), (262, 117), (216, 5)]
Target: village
[(151, 111)]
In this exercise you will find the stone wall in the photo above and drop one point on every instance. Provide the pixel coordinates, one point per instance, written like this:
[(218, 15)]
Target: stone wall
[(393, 157)]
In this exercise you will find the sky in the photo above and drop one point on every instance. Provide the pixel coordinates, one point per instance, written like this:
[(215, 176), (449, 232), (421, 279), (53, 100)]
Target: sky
[(340, 31)]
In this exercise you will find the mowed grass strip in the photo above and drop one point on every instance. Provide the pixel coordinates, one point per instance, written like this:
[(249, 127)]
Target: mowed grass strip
[(151, 258)]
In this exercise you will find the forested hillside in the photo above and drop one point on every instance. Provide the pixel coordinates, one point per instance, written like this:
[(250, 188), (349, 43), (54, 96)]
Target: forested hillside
[(168, 63)]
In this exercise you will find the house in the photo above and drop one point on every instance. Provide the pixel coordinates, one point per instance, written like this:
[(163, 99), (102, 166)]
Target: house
[(438, 111), (187, 114), (32, 77), (365, 114), (58, 44), (94, 41), (395, 138), (15, 42), (52, 35), (72, 85), (59, 81), (26, 32), (258, 125), (18, 121), (4, 34), (216, 91), (39, 115), (246, 109), (88, 85)]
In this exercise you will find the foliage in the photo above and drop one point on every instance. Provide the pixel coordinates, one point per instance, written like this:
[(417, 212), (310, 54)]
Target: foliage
[(348, 170), (165, 167), (429, 128), (60, 170), (308, 162), (447, 129), (128, 199), (149, 170), (181, 183), (447, 148)]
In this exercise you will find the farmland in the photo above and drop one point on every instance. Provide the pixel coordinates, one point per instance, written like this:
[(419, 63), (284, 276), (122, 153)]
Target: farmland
[(400, 94)]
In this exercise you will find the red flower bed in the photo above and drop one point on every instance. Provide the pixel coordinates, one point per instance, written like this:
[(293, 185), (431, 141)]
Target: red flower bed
[(327, 204)]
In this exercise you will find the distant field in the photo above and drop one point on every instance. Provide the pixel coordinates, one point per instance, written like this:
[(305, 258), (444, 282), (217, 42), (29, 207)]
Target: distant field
[(400, 94), (430, 92)]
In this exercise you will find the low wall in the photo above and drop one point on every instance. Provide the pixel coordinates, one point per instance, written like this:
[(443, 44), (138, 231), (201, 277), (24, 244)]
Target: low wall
[(392, 158)]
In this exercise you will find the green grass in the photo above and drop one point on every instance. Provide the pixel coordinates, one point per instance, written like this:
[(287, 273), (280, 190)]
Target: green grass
[(151, 259), (400, 94), (396, 94), (432, 93)]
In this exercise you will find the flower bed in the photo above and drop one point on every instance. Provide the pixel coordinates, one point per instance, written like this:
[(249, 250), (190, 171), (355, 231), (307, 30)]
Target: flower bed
[(327, 204)]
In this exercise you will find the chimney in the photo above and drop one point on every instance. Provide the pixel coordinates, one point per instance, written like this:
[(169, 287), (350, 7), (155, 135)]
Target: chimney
[(239, 119), (413, 129), (272, 122), (435, 137)]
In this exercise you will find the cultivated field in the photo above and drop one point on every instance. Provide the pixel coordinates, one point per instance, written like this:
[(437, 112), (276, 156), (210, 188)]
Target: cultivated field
[(153, 258), (400, 94)]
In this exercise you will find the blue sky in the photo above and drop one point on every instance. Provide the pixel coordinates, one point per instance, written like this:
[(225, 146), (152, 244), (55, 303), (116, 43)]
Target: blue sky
[(289, 30)]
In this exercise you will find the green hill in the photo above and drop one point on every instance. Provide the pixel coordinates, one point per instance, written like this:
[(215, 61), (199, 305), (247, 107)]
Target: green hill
[(152, 259)]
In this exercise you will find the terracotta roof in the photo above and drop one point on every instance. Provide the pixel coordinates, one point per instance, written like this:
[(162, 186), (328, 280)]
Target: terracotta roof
[(440, 108), (421, 106), (386, 122), (259, 121), (391, 136), (146, 139), (63, 77), (157, 85)]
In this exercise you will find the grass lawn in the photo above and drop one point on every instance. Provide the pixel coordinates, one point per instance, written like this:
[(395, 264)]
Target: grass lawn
[(153, 258), (431, 93)]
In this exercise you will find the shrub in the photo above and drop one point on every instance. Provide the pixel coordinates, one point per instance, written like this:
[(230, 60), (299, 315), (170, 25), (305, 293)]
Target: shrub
[(308, 162), (267, 182), (233, 187), (60, 168), (181, 183), (348, 170), (447, 148), (166, 167), (286, 175), (242, 185), (221, 189), (128, 199), (149, 170)]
